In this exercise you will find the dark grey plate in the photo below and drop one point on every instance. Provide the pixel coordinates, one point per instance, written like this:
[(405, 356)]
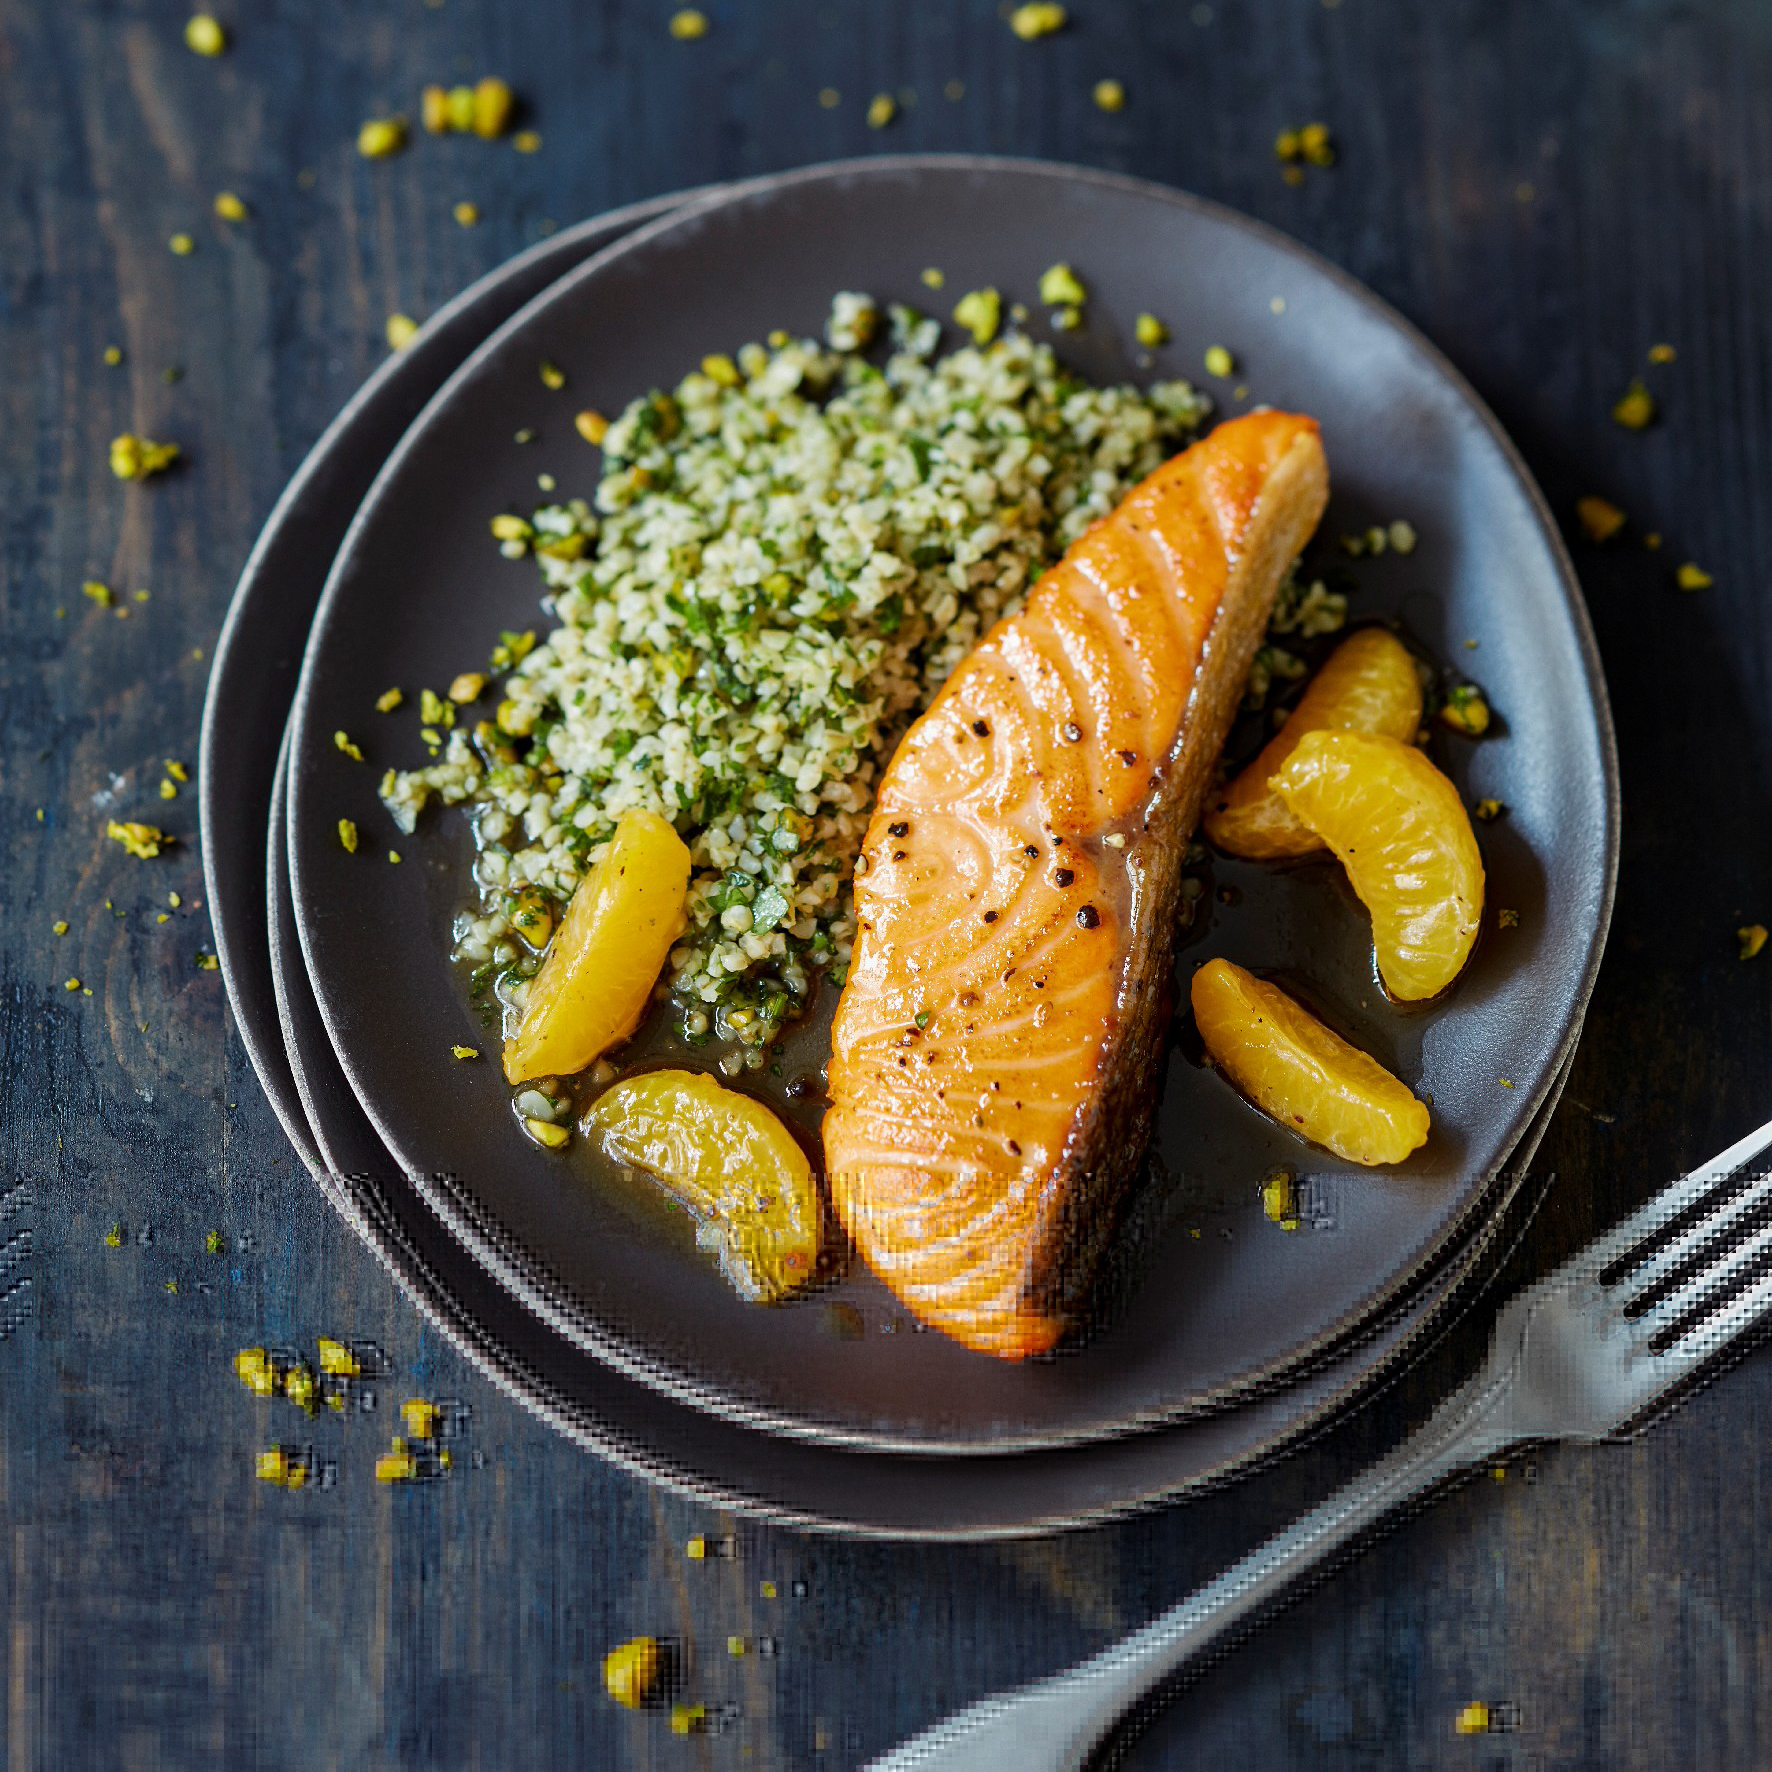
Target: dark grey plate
[(417, 594), (258, 656), (792, 1479)]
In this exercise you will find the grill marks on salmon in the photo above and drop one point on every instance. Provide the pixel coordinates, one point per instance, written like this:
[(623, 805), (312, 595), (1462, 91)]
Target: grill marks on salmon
[(999, 1041)]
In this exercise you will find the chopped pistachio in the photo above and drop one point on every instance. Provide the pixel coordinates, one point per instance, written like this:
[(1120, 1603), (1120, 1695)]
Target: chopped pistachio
[(934, 277), (469, 686), (552, 375), (1402, 536), (688, 1719), (230, 208), (465, 1051), (300, 1387), (632, 1670), (256, 1371), (1060, 286), (1473, 1719), (1662, 353), (168, 789), (1489, 810), (720, 368), (113, 355), (696, 1549), (173, 899), (460, 100), (141, 840), (345, 743), (1635, 410), (1287, 146), (1507, 919), (1600, 517), (401, 329), (1150, 331), (380, 137), (507, 527), (433, 110), (1750, 939), (396, 1467), (493, 104), (1109, 95), (1507, 1082), (72, 984), (735, 1646), (829, 97), (434, 710), (592, 425), (980, 312), (206, 961), (526, 141), (1038, 18), (204, 34), (212, 1243), (421, 1416), (388, 700), (135, 458), (60, 926), (177, 770), (1219, 361), (100, 592), (181, 245), (1279, 1198), (1466, 711), (689, 24), (767, 1589), (347, 836), (337, 1360), (1694, 578), (114, 1237), (274, 1466), (467, 214), (394, 855), (881, 110)]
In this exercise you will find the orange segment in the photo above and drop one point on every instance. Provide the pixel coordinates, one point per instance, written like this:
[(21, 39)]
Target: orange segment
[(597, 979), (1303, 1073), (730, 1161), (1368, 684), (1399, 828)]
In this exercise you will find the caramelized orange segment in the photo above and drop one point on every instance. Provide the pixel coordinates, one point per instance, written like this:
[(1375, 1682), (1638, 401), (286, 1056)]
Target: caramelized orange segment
[(1303, 1073), (1368, 684), (727, 1158), (1399, 828), (608, 951)]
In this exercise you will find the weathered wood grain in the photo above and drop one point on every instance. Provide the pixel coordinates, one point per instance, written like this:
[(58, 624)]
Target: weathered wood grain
[(1547, 188)]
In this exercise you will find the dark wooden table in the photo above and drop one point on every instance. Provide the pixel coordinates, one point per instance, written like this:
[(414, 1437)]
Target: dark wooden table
[(1548, 187)]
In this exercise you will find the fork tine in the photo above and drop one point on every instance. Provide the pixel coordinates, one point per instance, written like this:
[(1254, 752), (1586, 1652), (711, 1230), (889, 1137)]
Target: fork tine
[(1715, 1281), (1710, 1330), (1662, 1264), (1666, 1206)]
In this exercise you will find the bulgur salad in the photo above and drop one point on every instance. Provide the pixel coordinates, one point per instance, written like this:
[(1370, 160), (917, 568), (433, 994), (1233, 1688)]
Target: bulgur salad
[(784, 557)]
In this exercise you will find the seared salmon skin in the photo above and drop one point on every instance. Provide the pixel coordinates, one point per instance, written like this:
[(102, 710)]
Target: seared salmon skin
[(1001, 1035)]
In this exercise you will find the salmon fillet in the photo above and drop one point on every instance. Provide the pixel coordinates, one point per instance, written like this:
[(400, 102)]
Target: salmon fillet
[(1001, 1035)]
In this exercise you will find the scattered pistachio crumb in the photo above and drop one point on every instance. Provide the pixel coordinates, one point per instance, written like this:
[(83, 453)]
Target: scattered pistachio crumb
[(1060, 286), (1315, 145), (1490, 810), (1694, 578), (494, 103), (73, 984), (420, 1415), (1109, 95), (402, 329), (881, 110), (113, 355), (829, 97), (591, 425), (696, 1549), (1473, 1719), (100, 592), (465, 1051), (689, 24), (1635, 410), (735, 1646), (1600, 517), (345, 743), (206, 961), (526, 141), (467, 687), (114, 1236), (1662, 353), (632, 1670), (688, 1719), (767, 1589), (980, 312), (934, 277), (175, 768), (1038, 18), (1279, 1198), (552, 375), (1750, 940), (347, 836), (181, 245), (388, 700), (141, 840), (163, 916), (1150, 331), (1220, 362), (168, 788), (230, 207), (396, 1467), (1506, 919), (60, 926), (380, 137), (393, 855), (204, 34), (467, 214), (135, 458), (1507, 1082), (212, 1243), (1652, 540), (172, 1286), (1466, 711), (173, 899)]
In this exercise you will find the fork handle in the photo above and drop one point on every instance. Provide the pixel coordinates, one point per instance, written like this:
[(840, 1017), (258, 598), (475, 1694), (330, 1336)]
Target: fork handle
[(1054, 1724)]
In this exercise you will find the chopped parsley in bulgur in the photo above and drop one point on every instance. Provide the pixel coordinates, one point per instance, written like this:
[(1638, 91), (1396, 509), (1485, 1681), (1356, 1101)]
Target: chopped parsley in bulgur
[(775, 578)]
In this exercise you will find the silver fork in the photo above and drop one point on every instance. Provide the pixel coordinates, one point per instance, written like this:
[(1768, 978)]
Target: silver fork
[(1582, 1354)]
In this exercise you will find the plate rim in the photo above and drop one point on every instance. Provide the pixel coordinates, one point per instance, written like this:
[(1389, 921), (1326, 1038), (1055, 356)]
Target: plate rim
[(528, 1277)]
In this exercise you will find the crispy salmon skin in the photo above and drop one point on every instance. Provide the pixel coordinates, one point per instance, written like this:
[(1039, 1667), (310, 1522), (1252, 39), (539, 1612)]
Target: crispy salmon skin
[(999, 1040)]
